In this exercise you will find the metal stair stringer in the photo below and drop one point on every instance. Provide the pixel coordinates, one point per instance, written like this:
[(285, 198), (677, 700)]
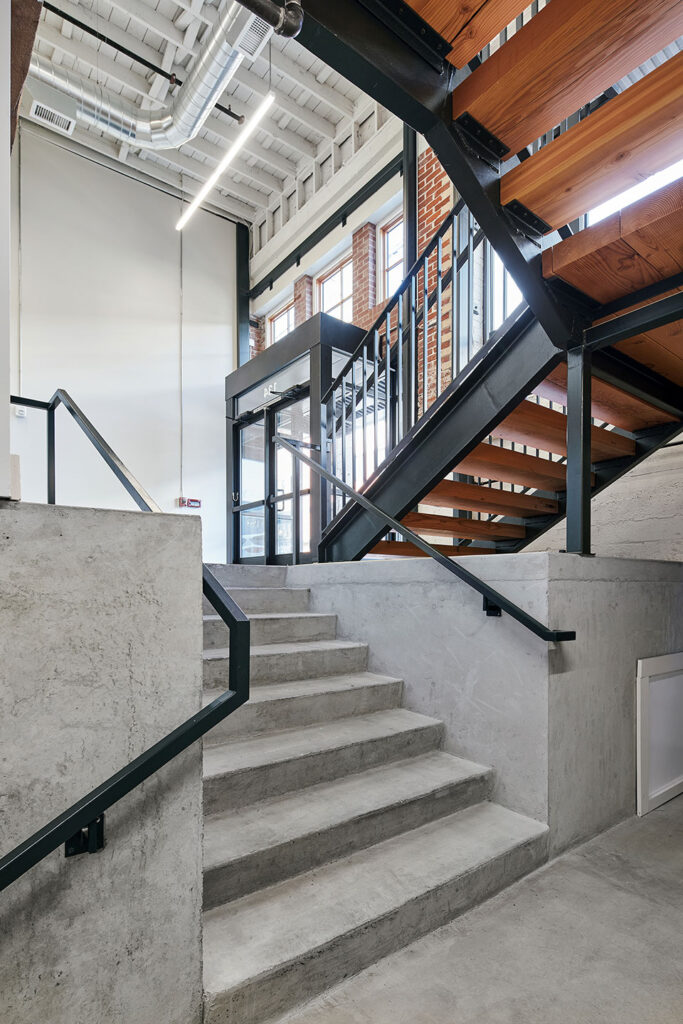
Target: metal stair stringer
[(500, 376)]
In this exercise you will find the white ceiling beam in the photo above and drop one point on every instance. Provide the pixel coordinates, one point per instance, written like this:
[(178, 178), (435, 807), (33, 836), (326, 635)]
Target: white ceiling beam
[(93, 58), (309, 118), (151, 19), (278, 162), (198, 170), (214, 154), (306, 80), (116, 34)]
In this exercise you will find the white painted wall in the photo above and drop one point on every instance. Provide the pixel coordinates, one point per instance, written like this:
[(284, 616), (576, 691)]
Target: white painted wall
[(140, 332), (5, 64)]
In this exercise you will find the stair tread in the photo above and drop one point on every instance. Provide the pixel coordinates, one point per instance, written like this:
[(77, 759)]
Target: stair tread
[(293, 647), (490, 461), (633, 136), (271, 748), (561, 59), (404, 549), (266, 616), (477, 498), (266, 930), (432, 524), (546, 430), (635, 247), (312, 687), (238, 833)]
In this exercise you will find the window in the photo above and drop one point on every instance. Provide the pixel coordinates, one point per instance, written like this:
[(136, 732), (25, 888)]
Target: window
[(392, 256), (335, 291), (282, 323)]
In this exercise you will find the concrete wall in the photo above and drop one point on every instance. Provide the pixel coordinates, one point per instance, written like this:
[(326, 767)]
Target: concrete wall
[(5, 64), (622, 610), (134, 319), (639, 516), (100, 657), (557, 722)]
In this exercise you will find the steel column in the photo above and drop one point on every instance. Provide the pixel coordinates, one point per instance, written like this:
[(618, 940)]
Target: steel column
[(409, 197), (242, 273), (579, 451)]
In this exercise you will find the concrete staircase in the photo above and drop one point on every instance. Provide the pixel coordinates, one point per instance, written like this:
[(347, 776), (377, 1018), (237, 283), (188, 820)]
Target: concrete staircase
[(337, 830)]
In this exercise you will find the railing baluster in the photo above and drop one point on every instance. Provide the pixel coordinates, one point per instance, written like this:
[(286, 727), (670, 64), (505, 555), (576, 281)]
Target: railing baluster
[(333, 410), (344, 475), (470, 287), (413, 351), (439, 258), (425, 331), (454, 296), (364, 433), (353, 424), (399, 364), (375, 404)]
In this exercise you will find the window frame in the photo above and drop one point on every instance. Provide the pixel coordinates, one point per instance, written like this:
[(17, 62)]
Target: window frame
[(336, 268), (384, 229), (282, 311)]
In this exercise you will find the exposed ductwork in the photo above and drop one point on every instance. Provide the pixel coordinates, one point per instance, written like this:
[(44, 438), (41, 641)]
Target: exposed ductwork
[(285, 19), (182, 118)]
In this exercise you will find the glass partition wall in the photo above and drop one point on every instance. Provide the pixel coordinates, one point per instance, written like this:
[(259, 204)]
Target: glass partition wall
[(274, 502)]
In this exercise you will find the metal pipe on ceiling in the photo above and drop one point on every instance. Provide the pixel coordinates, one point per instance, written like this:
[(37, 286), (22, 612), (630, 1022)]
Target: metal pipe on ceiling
[(286, 19), (183, 117)]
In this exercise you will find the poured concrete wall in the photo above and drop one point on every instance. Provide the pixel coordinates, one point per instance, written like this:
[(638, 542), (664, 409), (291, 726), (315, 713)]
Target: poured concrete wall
[(639, 516), (100, 657), (557, 722)]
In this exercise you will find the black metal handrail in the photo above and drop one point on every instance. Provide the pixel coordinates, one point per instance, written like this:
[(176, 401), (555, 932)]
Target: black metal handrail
[(493, 601), (86, 814)]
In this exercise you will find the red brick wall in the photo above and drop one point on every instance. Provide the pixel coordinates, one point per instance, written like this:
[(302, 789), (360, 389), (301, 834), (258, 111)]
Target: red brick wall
[(364, 251), (435, 201), (257, 335), (303, 300)]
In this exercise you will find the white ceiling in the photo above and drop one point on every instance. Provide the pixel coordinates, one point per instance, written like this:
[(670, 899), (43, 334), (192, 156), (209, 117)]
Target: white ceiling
[(317, 125)]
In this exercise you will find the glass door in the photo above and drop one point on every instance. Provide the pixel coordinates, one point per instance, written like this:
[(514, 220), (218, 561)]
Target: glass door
[(272, 490)]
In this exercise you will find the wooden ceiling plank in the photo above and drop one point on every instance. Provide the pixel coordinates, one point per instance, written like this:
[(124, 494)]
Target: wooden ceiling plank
[(560, 60), (633, 136)]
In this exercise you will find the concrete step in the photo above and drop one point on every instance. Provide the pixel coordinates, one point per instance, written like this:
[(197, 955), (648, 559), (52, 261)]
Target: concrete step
[(280, 663), (245, 771), (273, 628), (267, 842), (276, 948), (253, 600), (307, 702), (250, 575)]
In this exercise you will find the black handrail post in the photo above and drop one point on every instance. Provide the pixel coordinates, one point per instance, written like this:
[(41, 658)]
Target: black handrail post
[(579, 451), (51, 481)]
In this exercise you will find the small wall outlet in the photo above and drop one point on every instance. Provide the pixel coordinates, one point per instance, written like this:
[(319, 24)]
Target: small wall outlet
[(189, 503)]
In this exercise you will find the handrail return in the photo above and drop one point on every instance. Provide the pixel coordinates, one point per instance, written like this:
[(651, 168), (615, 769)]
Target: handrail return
[(81, 826)]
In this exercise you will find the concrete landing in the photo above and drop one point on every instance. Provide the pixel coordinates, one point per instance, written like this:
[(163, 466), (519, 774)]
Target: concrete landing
[(592, 938)]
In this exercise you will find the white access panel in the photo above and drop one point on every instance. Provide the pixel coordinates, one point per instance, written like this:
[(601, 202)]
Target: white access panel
[(659, 730)]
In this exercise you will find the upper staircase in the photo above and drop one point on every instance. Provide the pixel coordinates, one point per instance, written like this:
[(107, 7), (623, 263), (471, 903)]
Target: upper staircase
[(539, 114)]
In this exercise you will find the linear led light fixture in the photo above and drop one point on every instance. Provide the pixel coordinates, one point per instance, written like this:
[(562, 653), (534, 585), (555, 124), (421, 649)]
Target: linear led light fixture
[(244, 134)]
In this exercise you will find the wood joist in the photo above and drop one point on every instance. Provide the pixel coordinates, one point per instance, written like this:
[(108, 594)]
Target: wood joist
[(631, 137), (635, 247), (563, 58)]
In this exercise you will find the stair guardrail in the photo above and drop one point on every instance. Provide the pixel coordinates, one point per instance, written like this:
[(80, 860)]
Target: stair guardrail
[(81, 826), (494, 602)]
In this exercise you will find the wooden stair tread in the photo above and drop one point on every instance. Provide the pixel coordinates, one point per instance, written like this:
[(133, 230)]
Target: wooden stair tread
[(545, 429), (468, 25), (448, 526), (660, 350), (563, 58), (637, 246), (633, 136), (476, 498), (489, 461), (608, 403), (405, 548)]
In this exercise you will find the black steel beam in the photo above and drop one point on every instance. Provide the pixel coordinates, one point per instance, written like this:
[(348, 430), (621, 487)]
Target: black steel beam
[(492, 385), (409, 197), (362, 48), (616, 368), (242, 273), (638, 321), (650, 291), (339, 216), (578, 505)]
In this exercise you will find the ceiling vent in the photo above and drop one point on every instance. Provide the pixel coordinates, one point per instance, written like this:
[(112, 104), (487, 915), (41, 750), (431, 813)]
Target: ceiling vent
[(252, 36), (51, 108)]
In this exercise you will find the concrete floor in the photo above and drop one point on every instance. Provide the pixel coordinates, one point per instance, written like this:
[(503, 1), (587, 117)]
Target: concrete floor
[(592, 938)]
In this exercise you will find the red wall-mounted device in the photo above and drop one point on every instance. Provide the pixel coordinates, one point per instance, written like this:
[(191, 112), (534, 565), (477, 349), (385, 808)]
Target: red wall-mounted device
[(190, 502)]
